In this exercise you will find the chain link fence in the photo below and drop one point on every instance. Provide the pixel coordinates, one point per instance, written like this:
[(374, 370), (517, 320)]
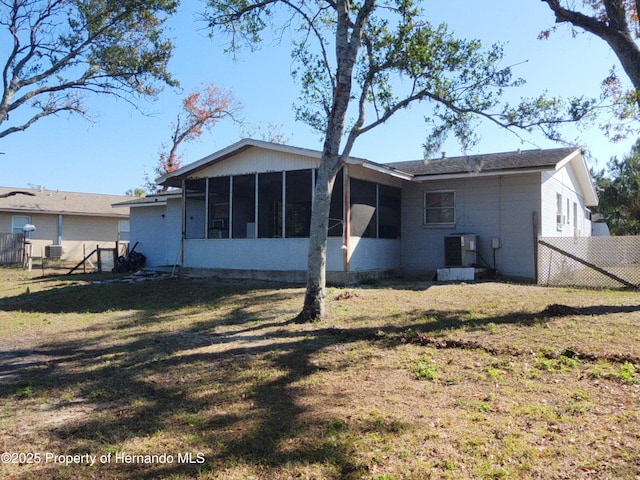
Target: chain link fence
[(600, 262)]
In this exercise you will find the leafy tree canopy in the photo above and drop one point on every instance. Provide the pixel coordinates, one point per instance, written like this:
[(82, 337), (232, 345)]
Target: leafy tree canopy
[(618, 189), (398, 58)]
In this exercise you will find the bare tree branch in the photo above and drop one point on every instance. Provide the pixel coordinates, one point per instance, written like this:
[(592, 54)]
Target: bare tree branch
[(64, 46)]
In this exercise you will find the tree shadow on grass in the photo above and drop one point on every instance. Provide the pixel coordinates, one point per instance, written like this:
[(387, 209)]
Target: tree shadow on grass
[(203, 388)]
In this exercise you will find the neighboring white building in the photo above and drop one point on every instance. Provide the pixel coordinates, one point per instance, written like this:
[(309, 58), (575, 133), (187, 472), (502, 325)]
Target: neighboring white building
[(245, 211), (64, 221)]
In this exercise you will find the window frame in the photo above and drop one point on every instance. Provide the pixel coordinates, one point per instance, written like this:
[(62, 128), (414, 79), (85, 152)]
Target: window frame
[(19, 229), (425, 208)]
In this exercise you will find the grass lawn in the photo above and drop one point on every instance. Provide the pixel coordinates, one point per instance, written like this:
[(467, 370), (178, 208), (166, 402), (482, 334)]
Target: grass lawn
[(203, 379)]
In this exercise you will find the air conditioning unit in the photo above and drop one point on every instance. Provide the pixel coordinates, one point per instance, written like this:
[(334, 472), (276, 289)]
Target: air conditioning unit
[(460, 250), (53, 252)]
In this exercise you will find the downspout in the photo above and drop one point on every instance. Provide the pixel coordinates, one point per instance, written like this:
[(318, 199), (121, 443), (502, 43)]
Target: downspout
[(59, 229), (346, 234)]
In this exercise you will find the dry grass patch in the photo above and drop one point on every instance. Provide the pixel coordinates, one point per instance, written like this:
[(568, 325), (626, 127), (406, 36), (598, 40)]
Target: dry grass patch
[(202, 379)]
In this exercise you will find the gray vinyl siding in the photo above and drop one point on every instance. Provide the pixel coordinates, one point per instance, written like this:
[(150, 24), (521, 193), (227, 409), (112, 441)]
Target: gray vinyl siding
[(485, 206)]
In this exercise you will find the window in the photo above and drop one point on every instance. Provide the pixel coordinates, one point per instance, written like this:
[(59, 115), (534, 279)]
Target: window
[(439, 208), (568, 212), (559, 216), (270, 205), (123, 230), (244, 206), (18, 222), (298, 203), (218, 208)]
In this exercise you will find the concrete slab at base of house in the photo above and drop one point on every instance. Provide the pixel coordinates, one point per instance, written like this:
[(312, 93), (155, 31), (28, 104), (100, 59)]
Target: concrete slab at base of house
[(457, 274), (282, 276)]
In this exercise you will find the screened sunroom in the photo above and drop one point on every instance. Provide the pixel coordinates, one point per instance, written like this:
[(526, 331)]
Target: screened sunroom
[(248, 208)]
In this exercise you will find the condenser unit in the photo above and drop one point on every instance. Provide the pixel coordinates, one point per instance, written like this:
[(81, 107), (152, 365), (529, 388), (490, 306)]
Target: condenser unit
[(53, 252), (460, 250)]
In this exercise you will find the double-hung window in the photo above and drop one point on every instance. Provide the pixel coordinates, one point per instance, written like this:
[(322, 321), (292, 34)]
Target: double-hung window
[(439, 208), (18, 222)]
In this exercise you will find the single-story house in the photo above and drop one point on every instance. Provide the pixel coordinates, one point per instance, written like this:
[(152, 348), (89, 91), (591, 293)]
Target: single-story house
[(245, 210), (64, 221)]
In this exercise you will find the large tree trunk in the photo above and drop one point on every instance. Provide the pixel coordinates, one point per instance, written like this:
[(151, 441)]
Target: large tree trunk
[(316, 274), (348, 39), (330, 164)]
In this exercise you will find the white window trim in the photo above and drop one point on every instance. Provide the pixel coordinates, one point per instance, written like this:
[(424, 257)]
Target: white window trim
[(124, 226), (559, 214)]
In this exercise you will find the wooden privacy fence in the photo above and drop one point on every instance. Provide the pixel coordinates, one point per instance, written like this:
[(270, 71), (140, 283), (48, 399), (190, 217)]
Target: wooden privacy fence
[(599, 262), (11, 248)]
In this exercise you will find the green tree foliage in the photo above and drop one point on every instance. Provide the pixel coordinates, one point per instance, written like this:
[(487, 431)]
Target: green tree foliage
[(56, 51), (360, 62), (618, 189), (135, 192)]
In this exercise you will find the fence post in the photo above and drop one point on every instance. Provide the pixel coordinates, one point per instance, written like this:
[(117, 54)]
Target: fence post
[(534, 220), (27, 261)]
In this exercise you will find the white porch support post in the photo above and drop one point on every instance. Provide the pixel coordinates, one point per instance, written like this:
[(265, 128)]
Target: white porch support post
[(255, 211), (377, 210), (184, 220), (346, 220), (206, 208), (230, 226), (284, 203)]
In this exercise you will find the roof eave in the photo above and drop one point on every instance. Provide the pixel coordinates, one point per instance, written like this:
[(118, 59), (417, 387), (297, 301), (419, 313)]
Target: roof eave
[(175, 179), (63, 212), (492, 173), (377, 167), (579, 164)]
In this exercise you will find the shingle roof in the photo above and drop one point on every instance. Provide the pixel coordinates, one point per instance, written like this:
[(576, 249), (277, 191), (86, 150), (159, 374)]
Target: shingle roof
[(152, 199), (492, 162), (56, 202)]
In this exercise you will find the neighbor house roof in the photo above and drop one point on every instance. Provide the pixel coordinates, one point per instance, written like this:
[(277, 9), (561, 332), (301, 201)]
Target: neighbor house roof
[(57, 202)]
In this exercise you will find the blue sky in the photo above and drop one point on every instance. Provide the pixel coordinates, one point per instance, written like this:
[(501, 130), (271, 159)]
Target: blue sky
[(113, 154)]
